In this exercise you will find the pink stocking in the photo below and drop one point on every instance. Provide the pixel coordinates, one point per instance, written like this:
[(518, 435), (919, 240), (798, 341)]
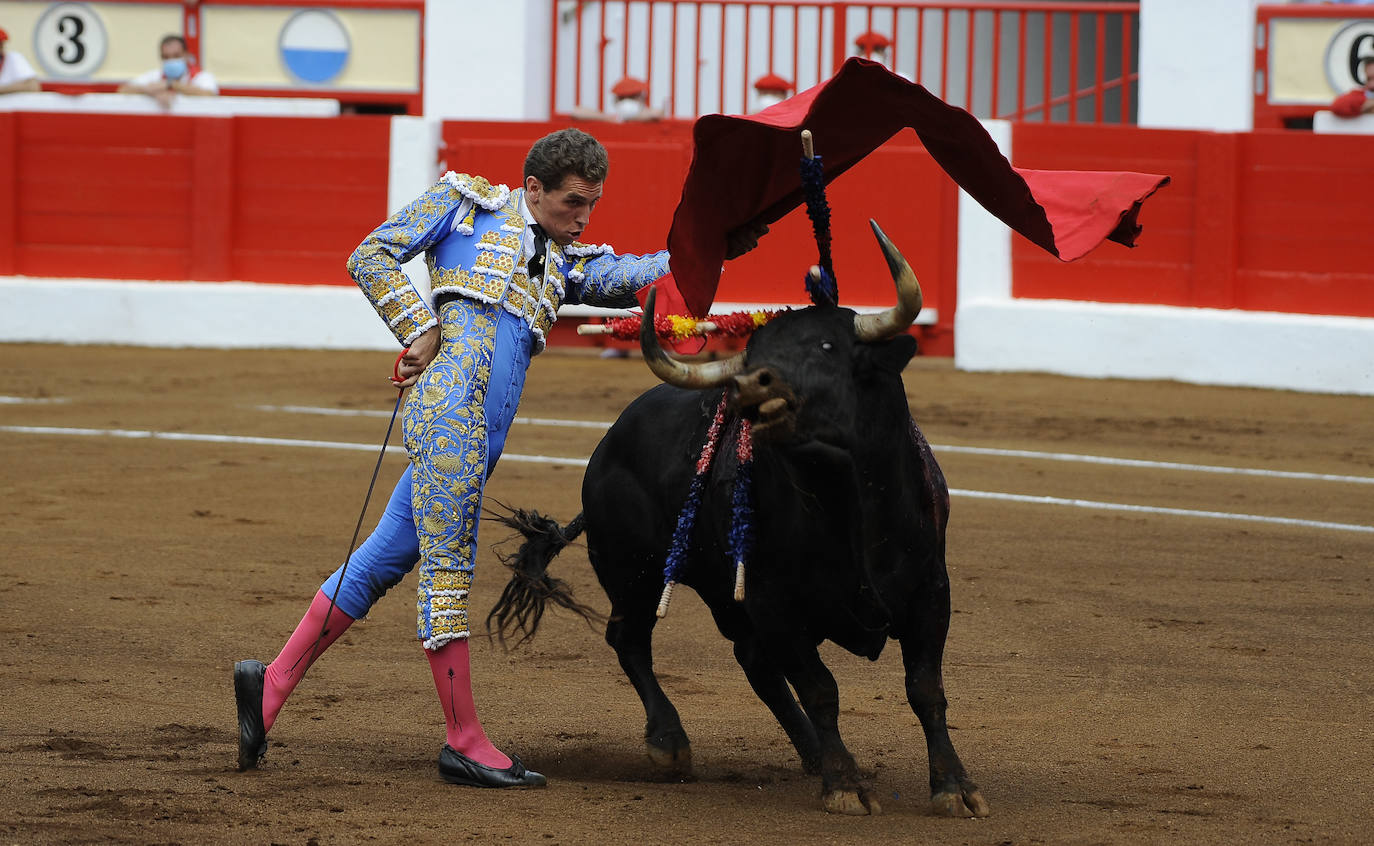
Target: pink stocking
[(299, 653), (453, 681)]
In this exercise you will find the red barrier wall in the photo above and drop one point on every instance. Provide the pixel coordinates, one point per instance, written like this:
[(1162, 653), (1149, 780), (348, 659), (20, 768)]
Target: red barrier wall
[(899, 186), (306, 193), (103, 196), (177, 198), (1261, 221), (287, 199), (9, 193)]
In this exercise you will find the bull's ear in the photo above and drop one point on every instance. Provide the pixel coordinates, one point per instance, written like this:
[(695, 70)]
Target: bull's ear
[(891, 355)]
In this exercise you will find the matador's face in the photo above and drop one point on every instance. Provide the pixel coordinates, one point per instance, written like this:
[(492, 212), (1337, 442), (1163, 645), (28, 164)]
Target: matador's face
[(563, 211)]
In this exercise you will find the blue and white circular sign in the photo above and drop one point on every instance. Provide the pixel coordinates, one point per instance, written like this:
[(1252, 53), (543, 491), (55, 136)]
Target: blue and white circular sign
[(314, 46)]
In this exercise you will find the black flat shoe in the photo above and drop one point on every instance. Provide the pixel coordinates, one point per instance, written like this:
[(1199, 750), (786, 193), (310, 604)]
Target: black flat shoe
[(248, 682), (457, 768)]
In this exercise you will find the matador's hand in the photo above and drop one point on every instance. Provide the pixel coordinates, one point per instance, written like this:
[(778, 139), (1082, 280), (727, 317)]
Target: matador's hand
[(415, 359), (742, 239)]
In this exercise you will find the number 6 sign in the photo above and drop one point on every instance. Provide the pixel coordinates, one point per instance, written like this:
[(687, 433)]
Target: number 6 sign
[(70, 40)]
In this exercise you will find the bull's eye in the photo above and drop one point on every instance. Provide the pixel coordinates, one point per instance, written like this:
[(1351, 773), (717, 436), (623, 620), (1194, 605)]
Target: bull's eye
[(827, 346)]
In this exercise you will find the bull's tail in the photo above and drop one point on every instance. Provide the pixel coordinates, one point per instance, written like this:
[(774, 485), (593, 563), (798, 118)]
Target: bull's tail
[(531, 588)]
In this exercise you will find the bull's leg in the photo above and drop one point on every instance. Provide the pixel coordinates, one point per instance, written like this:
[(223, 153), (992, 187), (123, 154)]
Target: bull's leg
[(841, 790), (767, 679), (630, 634), (771, 686), (952, 792)]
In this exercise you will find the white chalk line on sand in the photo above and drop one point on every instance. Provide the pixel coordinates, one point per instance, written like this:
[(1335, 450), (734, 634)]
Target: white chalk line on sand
[(1157, 509), (201, 437), (964, 450), (582, 462), (366, 412)]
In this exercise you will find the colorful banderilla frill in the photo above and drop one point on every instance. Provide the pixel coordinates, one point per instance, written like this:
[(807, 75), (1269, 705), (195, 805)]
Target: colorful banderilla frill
[(678, 327), (823, 288), (742, 518), (741, 527)]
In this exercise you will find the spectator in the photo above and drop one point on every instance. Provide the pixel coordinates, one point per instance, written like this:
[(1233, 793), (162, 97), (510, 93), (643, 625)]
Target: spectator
[(878, 47), (771, 89), (177, 75), (631, 104), (1360, 101), (874, 46), (16, 74)]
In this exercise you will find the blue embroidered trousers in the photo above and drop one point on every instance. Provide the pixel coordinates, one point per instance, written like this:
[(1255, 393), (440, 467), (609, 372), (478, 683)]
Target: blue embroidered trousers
[(455, 423)]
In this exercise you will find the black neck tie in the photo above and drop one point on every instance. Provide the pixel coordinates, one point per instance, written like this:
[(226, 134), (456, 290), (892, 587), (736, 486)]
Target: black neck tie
[(535, 267)]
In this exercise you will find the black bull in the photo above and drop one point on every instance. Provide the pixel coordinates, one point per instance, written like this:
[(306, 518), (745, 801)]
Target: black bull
[(849, 516)]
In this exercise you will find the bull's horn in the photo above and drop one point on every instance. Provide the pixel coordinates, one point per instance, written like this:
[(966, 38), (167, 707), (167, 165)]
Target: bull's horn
[(876, 327), (676, 372)]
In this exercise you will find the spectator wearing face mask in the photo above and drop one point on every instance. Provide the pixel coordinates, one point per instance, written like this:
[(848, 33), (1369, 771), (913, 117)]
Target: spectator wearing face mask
[(16, 74), (631, 103), (177, 75)]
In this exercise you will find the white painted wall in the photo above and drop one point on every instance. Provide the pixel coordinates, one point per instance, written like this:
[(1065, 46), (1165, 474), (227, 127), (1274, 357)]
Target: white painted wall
[(1206, 346), (1197, 60), (189, 314), (984, 242), (487, 60), (1330, 122)]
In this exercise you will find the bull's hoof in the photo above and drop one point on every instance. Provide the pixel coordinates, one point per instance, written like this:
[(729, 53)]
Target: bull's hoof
[(855, 803), (675, 760), (968, 804)]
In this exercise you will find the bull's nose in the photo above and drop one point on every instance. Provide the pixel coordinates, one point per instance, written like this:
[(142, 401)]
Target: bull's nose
[(755, 386)]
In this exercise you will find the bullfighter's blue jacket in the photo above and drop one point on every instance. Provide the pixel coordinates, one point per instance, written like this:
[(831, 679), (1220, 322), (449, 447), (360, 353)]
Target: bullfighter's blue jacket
[(474, 237), (493, 317)]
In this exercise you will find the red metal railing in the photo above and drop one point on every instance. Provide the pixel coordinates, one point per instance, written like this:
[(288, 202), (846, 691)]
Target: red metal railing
[(1071, 62)]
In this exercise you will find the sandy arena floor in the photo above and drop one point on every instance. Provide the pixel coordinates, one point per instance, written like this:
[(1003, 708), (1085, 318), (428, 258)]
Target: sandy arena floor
[(1114, 677)]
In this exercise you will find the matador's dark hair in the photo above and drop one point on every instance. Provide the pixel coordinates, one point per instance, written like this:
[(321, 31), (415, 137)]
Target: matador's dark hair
[(567, 152)]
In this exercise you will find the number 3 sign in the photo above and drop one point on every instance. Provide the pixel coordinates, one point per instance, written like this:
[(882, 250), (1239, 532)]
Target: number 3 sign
[(70, 40)]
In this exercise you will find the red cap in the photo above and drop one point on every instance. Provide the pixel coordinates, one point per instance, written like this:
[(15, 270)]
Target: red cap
[(629, 87), (772, 82), (4, 36), (870, 41)]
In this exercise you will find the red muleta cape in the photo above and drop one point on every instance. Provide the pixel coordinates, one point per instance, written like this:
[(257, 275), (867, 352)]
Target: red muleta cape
[(745, 169)]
